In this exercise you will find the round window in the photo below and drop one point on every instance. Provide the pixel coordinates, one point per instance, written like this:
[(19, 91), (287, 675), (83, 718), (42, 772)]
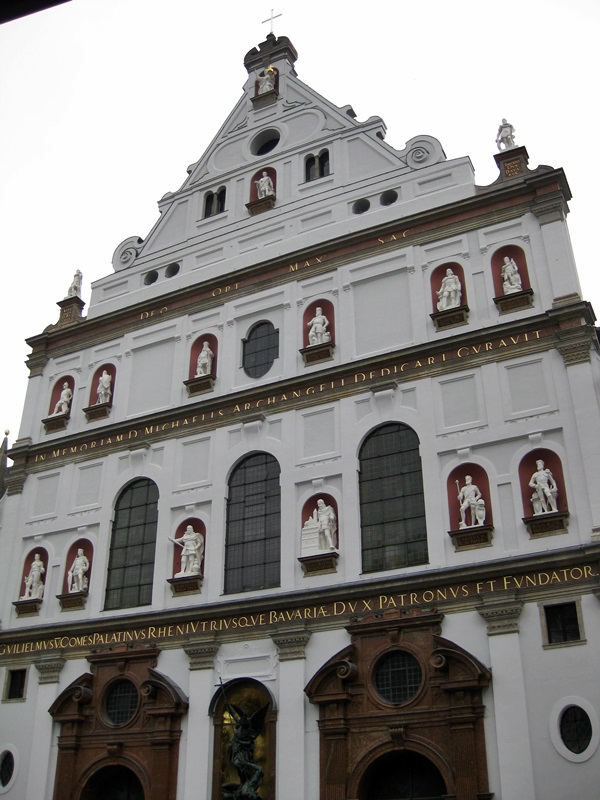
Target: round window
[(397, 677), (265, 142), (575, 729), (7, 767), (121, 702)]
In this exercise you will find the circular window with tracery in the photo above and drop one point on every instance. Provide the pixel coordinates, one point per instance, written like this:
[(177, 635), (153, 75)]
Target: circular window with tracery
[(397, 677), (121, 702)]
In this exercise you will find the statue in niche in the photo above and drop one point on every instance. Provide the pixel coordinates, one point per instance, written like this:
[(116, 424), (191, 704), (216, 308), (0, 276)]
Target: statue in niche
[(103, 390), (505, 138), (34, 585), (264, 186), (318, 332), (470, 498), (450, 292), (511, 280), (241, 752), (75, 287), (64, 401), (205, 360), (542, 481), (192, 551), (322, 524), (76, 576), (266, 81)]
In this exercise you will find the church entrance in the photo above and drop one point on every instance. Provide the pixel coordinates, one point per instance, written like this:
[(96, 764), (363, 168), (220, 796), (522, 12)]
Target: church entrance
[(402, 775), (116, 782)]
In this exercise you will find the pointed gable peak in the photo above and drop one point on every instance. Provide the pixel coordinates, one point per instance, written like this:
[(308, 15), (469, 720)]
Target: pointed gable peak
[(272, 49)]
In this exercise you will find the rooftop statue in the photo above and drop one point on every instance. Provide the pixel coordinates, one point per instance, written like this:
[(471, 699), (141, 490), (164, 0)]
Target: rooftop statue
[(75, 287), (505, 138)]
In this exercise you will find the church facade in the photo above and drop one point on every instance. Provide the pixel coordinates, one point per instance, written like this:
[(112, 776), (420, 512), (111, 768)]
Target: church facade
[(305, 505)]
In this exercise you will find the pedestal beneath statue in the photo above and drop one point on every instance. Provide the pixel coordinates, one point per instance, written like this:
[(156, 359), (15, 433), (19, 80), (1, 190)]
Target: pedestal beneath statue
[(99, 411), (200, 384), (29, 607), (320, 563), (264, 99), (186, 584), (261, 205), (514, 301), (72, 601), (471, 538), (450, 318), (318, 352), (550, 524), (57, 422)]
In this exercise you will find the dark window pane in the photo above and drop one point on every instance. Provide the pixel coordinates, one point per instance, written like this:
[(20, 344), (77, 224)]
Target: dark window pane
[(397, 677), (575, 729), (392, 503), (562, 623), (121, 702), (16, 684), (260, 349), (252, 550), (131, 560)]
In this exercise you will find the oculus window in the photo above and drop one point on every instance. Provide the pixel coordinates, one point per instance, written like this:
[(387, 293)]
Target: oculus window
[(253, 543), (397, 677), (392, 502), (575, 729), (131, 560), (260, 349)]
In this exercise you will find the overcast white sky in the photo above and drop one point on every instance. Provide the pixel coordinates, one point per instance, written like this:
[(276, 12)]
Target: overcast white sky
[(104, 103)]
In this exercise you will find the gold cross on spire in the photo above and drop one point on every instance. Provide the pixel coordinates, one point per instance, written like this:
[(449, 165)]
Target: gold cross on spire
[(270, 19)]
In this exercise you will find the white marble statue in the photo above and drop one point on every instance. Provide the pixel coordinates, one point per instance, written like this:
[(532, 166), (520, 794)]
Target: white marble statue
[(511, 280), (64, 401), (76, 576), (75, 287), (192, 550), (205, 360), (34, 584), (103, 390), (319, 530), (264, 186), (266, 81), (470, 498), (450, 292), (543, 499), (505, 138), (318, 332)]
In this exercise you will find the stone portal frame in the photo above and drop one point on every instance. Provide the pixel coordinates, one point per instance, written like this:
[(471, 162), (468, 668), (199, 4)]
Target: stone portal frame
[(442, 720), (146, 743), (249, 695)]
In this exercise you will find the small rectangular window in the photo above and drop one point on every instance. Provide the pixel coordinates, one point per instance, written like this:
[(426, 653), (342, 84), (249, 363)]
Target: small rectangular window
[(562, 623), (14, 688)]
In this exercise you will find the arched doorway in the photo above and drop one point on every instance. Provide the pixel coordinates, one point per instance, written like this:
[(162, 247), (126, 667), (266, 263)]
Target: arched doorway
[(116, 782), (402, 775)]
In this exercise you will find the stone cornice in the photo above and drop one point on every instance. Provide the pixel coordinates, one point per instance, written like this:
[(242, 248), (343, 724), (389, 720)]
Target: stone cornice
[(490, 206)]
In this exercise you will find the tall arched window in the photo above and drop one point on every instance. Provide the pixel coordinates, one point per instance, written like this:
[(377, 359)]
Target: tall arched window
[(392, 503), (131, 560), (252, 549)]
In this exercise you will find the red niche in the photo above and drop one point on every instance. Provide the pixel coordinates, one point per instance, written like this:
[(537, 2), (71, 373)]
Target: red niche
[(456, 481), (312, 505), (198, 527), (102, 389), (197, 347), (257, 177), (80, 575), (438, 275), (527, 469), (32, 591), (311, 314), (509, 251), (64, 405)]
